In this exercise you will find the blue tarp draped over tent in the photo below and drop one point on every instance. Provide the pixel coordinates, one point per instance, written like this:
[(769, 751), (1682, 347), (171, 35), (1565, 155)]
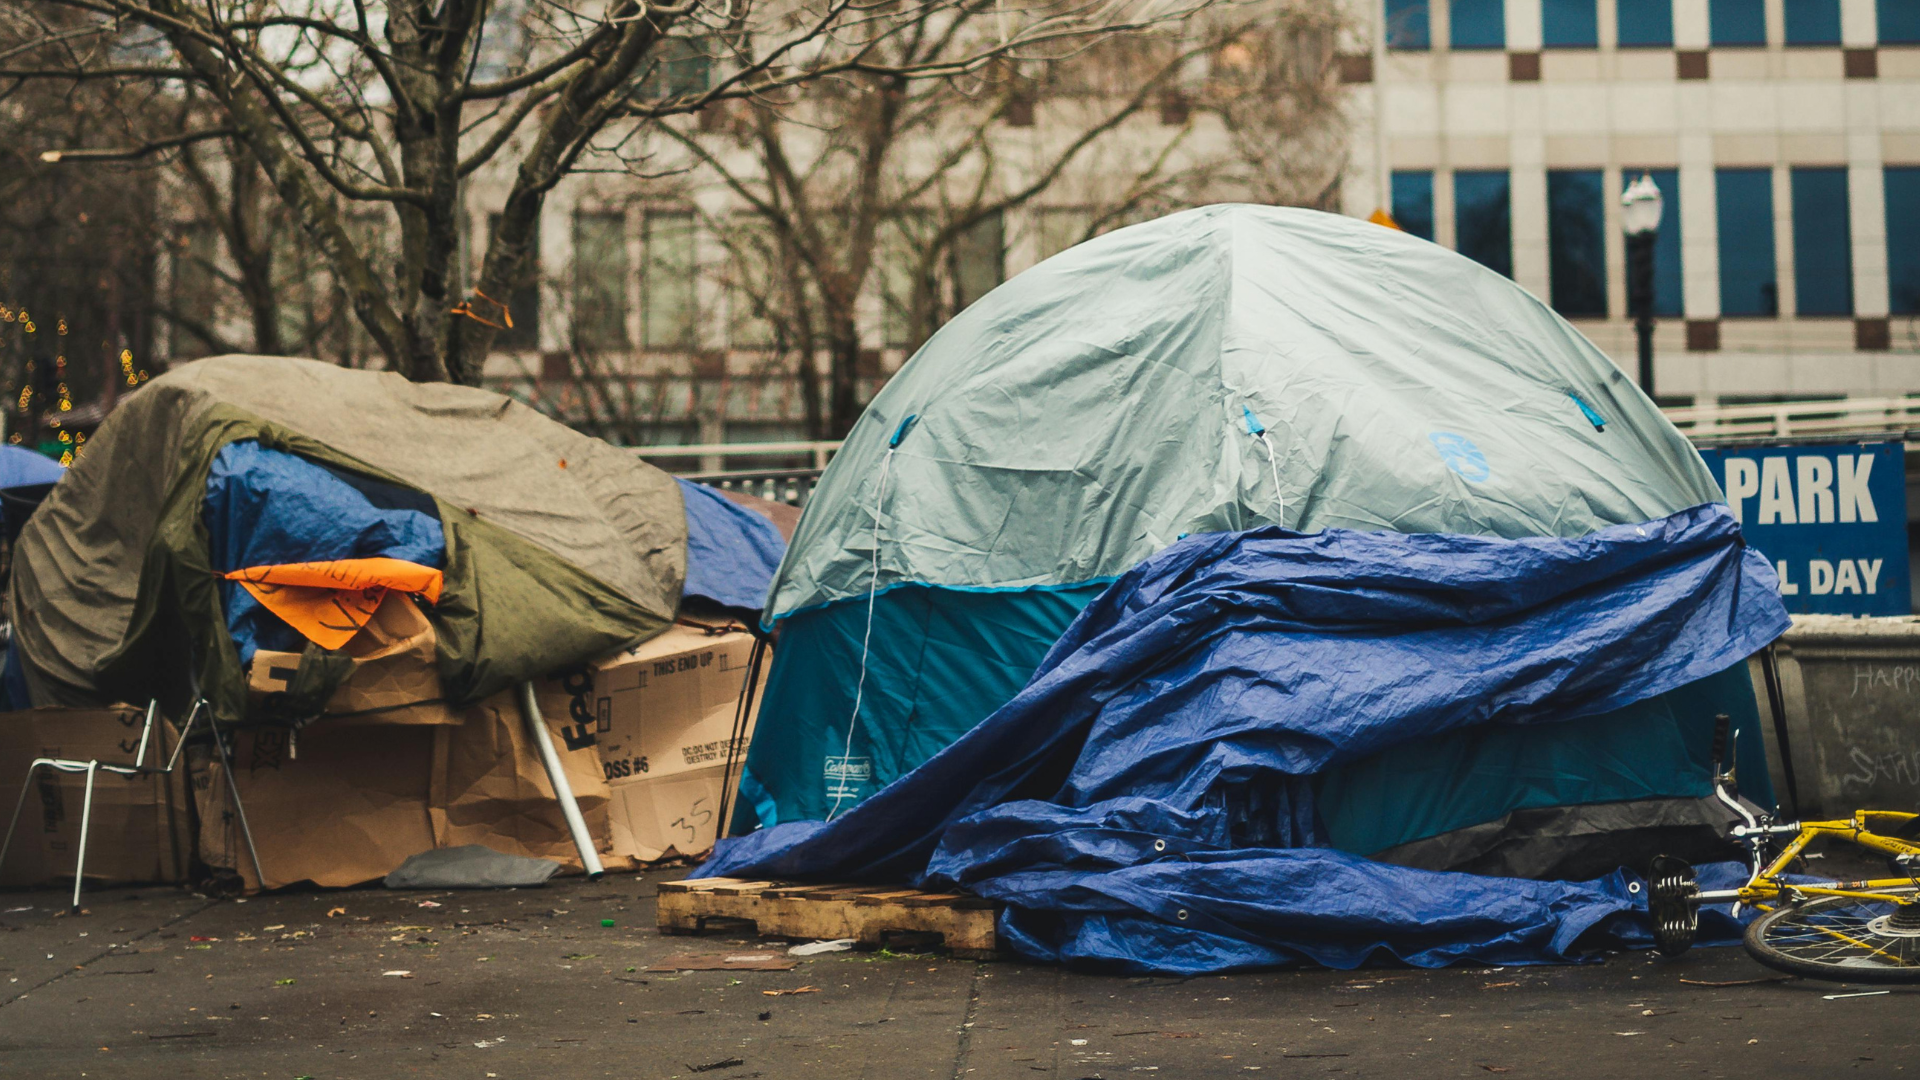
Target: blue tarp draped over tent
[(266, 506), (25, 468), (1147, 798), (732, 552), (25, 479)]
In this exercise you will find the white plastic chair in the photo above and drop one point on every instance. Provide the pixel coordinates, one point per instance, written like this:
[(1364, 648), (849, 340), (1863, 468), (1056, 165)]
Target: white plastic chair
[(93, 767)]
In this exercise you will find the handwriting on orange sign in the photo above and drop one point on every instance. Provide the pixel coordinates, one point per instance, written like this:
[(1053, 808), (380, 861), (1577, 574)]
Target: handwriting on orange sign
[(330, 601)]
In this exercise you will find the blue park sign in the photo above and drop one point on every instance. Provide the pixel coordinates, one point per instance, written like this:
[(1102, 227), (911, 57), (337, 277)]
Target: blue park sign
[(1833, 520)]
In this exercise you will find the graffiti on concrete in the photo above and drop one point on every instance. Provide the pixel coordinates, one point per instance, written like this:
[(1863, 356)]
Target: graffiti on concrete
[(1900, 767), (1869, 677)]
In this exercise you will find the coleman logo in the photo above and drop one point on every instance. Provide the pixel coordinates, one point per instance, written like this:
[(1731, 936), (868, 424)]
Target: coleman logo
[(855, 769)]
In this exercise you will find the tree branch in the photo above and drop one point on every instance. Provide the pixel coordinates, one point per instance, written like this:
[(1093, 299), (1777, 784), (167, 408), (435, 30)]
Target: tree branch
[(56, 157)]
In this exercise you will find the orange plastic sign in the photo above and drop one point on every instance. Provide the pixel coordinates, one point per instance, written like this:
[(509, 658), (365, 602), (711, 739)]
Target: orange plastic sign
[(330, 601)]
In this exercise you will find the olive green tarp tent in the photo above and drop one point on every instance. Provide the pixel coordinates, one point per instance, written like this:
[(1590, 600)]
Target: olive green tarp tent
[(559, 547)]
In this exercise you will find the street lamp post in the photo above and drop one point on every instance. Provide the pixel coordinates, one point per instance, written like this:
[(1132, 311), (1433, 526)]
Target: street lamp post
[(1640, 209)]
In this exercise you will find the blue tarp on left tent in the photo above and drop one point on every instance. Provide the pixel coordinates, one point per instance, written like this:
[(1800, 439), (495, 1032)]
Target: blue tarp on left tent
[(266, 506), (732, 552), (25, 479)]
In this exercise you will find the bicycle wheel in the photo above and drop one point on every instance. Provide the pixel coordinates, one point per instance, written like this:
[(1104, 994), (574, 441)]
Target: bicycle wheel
[(1840, 938)]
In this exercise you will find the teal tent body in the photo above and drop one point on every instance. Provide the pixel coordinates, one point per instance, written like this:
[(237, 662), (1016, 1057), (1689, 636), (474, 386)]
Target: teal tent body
[(1214, 370)]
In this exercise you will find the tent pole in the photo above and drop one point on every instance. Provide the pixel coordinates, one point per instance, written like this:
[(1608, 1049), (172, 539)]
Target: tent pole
[(563, 791)]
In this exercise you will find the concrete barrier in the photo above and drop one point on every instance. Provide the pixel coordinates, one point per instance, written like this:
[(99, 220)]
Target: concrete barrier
[(1848, 693)]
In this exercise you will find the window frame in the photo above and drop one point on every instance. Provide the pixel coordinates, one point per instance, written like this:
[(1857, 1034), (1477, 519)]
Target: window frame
[(1756, 227)]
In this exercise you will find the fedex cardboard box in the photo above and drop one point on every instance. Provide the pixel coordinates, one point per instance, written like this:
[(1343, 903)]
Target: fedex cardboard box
[(662, 717)]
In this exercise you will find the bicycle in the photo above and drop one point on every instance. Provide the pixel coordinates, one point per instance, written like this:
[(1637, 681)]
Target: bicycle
[(1865, 931)]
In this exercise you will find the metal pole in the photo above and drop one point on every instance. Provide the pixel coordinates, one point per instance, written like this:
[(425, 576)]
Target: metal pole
[(86, 820), (239, 808), (1640, 301), (557, 774)]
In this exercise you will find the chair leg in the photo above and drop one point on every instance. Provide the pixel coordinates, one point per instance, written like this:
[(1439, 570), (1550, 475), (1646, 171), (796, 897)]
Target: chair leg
[(25, 787), (86, 819), (233, 792)]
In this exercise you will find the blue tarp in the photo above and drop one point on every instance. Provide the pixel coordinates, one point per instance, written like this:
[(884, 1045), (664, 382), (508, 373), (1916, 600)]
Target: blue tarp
[(266, 506), (25, 479), (732, 552), (1147, 798), (25, 468)]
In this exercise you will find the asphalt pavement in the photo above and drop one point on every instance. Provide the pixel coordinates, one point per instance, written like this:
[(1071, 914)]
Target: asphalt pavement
[(158, 982)]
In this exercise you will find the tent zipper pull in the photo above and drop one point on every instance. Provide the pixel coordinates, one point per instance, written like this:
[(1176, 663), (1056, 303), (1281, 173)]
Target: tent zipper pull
[(1599, 422)]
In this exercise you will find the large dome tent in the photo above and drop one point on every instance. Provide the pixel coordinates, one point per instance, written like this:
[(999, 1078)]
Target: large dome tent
[(1218, 370)]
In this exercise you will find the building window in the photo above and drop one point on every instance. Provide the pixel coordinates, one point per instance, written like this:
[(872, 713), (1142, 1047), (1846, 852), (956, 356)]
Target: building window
[(1822, 243), (1482, 225), (1899, 22), (195, 302), (1413, 202), (1577, 241), (979, 260), (754, 284), (1737, 22), (1478, 24), (1569, 24), (1903, 239), (679, 67), (1744, 199), (600, 280), (523, 300), (1407, 25), (900, 246), (1817, 22), (667, 309), (1645, 23), (1669, 286), (1061, 227)]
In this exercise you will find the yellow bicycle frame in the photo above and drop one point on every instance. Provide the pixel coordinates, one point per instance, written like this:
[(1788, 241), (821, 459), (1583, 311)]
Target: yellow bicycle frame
[(1765, 885)]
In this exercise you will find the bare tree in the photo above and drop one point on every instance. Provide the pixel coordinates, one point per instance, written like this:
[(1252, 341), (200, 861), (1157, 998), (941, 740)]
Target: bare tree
[(875, 183), (348, 105), (77, 260)]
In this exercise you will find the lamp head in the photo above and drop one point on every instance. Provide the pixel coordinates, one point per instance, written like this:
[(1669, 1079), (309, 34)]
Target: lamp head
[(1641, 207)]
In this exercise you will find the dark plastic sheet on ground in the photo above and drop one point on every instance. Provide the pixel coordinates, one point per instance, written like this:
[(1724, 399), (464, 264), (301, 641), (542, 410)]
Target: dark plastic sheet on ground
[(1146, 800), (732, 552)]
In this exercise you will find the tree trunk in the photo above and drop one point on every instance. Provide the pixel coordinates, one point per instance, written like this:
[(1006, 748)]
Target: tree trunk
[(843, 341)]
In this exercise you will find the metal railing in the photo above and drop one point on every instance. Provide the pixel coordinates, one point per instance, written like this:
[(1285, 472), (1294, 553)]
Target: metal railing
[(719, 464), (791, 486), (713, 457), (1800, 420)]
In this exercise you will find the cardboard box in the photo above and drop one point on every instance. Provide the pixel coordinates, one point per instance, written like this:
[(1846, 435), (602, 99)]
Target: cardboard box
[(395, 677), (139, 830), (643, 735), (346, 801), (661, 717), (490, 788), (334, 804)]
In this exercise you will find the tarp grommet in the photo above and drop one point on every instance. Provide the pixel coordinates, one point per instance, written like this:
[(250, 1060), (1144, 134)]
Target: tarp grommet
[(1181, 914), (1159, 845), (1633, 887)]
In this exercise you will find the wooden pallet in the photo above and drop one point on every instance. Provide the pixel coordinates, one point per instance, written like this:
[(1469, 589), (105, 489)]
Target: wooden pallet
[(864, 913)]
